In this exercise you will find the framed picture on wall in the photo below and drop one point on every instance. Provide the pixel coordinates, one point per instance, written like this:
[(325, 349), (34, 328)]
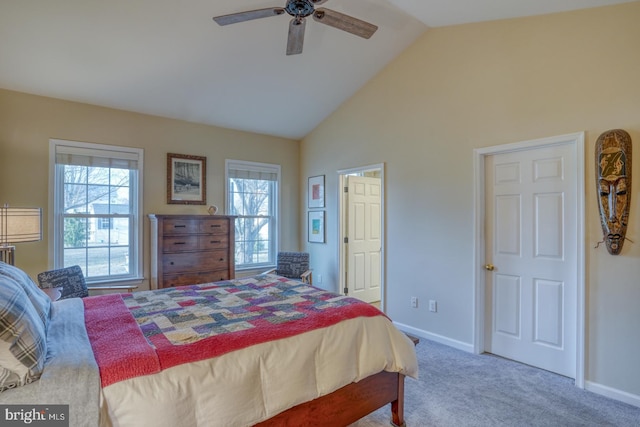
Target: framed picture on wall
[(186, 179), (316, 227), (316, 192)]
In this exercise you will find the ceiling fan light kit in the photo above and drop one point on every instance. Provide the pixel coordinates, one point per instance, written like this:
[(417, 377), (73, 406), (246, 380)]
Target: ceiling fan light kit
[(300, 9)]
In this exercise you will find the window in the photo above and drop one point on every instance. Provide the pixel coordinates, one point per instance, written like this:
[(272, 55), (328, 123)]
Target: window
[(104, 224), (96, 210), (252, 195)]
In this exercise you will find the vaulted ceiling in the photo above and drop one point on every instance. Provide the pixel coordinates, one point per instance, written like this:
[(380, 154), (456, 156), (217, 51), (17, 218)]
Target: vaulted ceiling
[(169, 58)]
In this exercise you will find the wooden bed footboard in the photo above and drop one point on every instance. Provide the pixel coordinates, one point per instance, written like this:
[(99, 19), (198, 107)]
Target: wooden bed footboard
[(348, 404)]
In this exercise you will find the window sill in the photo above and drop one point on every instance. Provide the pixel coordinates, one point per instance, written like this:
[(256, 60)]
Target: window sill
[(246, 272), (128, 288), (114, 285)]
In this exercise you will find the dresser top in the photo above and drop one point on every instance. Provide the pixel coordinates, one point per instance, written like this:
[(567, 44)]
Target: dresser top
[(189, 216)]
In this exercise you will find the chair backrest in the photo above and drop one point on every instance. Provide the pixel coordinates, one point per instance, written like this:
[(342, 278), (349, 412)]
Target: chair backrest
[(70, 279), (292, 264)]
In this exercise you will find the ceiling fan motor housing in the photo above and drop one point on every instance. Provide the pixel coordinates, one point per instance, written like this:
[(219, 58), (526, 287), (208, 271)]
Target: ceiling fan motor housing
[(299, 8)]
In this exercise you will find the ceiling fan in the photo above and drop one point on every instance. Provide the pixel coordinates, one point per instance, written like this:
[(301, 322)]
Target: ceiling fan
[(300, 9)]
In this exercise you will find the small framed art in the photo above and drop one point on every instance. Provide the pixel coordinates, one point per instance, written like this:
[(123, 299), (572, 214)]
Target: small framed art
[(186, 179), (316, 227), (316, 192)]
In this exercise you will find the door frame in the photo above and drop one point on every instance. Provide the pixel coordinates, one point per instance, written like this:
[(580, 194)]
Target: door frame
[(342, 253), (479, 154)]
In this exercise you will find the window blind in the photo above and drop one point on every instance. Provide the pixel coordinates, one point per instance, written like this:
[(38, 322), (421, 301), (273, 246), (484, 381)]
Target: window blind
[(77, 156)]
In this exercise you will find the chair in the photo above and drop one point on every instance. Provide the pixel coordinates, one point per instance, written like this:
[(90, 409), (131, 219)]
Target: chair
[(69, 279), (293, 265)]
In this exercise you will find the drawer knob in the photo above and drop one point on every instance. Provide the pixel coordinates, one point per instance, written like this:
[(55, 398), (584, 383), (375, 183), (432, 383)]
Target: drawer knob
[(215, 241), (179, 226), (179, 243), (215, 225), (171, 263), (221, 259)]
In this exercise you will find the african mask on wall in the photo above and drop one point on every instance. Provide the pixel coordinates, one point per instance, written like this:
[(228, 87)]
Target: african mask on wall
[(613, 183)]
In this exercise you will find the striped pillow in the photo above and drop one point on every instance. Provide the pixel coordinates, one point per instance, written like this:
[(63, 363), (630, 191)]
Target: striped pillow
[(23, 345)]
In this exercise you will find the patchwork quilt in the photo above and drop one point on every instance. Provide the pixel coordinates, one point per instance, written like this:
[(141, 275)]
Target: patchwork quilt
[(163, 328)]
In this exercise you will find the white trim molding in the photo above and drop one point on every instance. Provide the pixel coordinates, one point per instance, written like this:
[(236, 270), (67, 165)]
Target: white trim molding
[(612, 393), (435, 337)]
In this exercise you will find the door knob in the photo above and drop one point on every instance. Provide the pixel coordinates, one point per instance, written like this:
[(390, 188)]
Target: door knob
[(489, 267)]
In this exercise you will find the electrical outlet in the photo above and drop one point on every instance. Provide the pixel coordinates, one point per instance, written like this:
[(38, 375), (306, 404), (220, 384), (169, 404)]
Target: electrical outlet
[(319, 278), (433, 305), (414, 302)]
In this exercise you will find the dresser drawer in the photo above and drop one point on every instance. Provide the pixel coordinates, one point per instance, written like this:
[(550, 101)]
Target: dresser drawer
[(179, 243), (180, 226), (215, 241), (195, 261), (173, 280), (214, 226)]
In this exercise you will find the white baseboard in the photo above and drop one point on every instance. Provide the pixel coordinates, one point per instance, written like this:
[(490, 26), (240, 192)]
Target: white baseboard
[(612, 393), (435, 337)]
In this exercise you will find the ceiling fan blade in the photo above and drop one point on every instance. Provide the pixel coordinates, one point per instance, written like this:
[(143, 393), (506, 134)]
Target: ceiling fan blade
[(248, 15), (345, 22), (296, 36)]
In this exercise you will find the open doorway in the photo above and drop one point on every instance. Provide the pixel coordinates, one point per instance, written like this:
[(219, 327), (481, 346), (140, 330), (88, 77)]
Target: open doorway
[(361, 241)]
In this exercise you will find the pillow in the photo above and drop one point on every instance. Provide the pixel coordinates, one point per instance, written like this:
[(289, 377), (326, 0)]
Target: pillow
[(41, 302), (69, 279), (23, 344)]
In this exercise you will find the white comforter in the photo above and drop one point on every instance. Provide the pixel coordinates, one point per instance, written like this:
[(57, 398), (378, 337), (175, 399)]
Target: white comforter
[(247, 386)]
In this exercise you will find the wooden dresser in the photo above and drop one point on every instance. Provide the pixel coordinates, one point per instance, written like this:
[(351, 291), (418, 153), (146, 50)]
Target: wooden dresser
[(191, 249)]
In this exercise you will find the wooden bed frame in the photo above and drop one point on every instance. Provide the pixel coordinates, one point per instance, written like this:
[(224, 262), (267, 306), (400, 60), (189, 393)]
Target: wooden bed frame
[(348, 404)]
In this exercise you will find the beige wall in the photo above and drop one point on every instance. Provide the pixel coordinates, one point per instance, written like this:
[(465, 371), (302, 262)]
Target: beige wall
[(463, 87), (27, 123)]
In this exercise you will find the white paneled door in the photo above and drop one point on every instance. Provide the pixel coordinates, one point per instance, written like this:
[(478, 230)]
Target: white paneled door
[(364, 238), (531, 275)]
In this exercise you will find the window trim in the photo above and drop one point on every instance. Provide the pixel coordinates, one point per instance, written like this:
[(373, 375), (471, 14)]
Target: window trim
[(257, 167), (55, 233)]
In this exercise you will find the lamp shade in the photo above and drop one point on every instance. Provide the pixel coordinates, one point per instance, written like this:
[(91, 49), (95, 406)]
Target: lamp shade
[(20, 225)]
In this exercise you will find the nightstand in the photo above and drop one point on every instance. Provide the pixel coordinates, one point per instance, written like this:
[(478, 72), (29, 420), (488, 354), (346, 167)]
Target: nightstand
[(53, 293)]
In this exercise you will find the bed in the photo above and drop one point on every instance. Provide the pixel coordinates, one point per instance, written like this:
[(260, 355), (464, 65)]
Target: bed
[(263, 350)]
